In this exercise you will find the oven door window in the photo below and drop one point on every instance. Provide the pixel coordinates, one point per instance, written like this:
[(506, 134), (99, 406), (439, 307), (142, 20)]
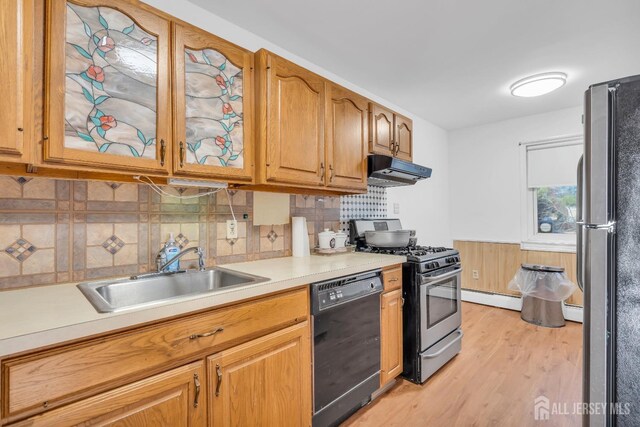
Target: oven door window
[(442, 301)]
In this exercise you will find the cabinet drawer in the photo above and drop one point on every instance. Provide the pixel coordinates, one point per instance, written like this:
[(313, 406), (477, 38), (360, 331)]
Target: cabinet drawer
[(37, 382), (392, 278)]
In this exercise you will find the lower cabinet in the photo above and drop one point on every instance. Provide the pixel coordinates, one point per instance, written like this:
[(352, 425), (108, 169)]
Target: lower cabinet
[(265, 382), (391, 332), (391, 303), (245, 364), (173, 398)]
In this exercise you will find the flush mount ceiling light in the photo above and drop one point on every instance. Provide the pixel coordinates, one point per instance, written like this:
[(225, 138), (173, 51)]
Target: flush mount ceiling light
[(538, 84)]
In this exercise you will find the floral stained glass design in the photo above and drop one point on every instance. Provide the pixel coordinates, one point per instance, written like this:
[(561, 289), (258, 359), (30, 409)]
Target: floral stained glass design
[(111, 83), (213, 88)]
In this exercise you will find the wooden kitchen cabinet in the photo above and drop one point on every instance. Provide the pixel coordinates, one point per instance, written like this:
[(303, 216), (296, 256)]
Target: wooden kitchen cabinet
[(266, 381), (108, 95), (175, 398), (391, 336), (213, 106), (48, 379), (290, 114), (381, 128), (391, 133), (16, 62), (346, 138), (391, 331), (403, 137)]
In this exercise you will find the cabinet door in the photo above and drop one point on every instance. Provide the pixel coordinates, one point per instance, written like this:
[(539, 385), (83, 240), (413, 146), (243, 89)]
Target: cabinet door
[(381, 139), (346, 138), (264, 382), (16, 37), (403, 138), (391, 336), (213, 100), (107, 85), (293, 122), (174, 399)]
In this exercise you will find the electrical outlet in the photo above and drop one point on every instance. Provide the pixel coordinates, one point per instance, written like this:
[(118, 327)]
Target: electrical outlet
[(232, 229), (476, 274), (396, 208)]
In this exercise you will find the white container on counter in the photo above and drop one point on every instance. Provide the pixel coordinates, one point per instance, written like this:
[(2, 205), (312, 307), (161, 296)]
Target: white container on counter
[(327, 239), (341, 239)]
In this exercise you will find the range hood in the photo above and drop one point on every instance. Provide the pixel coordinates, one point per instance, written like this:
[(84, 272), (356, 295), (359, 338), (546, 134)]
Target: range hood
[(387, 171)]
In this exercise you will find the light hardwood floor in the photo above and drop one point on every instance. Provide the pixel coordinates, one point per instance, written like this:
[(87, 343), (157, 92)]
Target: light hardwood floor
[(504, 365)]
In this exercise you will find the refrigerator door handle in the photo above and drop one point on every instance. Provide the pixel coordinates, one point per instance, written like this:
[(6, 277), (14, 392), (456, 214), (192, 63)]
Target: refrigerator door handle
[(610, 226), (579, 231)]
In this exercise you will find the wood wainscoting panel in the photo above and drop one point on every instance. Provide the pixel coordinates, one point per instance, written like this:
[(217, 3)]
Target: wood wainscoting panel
[(497, 263)]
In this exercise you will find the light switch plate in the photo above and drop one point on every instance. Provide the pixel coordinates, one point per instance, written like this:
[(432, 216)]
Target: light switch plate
[(232, 229), (396, 208)]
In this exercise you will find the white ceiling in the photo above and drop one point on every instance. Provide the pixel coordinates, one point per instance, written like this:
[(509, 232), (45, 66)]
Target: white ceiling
[(451, 61)]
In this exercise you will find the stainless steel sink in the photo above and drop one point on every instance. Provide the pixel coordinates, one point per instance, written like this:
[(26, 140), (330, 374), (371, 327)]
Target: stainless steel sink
[(138, 291)]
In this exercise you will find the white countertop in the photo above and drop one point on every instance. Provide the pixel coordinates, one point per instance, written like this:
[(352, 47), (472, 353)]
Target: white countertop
[(36, 317)]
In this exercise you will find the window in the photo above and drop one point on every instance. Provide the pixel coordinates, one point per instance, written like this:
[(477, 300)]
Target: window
[(556, 209), (549, 191)]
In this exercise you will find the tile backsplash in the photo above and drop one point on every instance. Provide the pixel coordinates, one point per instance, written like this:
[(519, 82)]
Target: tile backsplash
[(55, 231), (373, 204)]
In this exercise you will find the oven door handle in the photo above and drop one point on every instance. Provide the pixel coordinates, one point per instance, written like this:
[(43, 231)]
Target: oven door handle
[(426, 280)]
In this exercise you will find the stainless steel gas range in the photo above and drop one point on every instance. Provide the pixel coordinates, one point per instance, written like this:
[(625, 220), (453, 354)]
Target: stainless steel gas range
[(432, 316)]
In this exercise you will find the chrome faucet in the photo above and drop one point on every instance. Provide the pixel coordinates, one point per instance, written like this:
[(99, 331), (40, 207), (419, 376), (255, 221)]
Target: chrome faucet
[(199, 251)]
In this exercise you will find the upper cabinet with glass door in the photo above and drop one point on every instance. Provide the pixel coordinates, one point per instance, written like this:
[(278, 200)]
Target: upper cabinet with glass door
[(213, 105), (108, 94)]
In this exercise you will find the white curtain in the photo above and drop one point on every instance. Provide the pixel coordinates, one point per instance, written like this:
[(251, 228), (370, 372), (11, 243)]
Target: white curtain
[(552, 165)]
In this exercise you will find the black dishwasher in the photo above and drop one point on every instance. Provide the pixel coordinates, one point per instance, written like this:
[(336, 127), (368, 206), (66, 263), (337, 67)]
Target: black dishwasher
[(346, 345)]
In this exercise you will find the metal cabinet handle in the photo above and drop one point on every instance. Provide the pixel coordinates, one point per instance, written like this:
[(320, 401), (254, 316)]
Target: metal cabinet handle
[(163, 151), (196, 382), (322, 171), (182, 154), (206, 334), (402, 302), (330, 173), (395, 279), (397, 149), (219, 373)]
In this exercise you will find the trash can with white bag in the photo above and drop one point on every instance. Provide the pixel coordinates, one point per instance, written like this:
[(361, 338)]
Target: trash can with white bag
[(544, 290)]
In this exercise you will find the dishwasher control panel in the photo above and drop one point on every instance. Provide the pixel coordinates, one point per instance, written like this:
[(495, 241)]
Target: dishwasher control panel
[(325, 295)]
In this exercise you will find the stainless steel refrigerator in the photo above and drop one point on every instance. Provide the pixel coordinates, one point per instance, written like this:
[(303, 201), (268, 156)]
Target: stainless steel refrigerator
[(608, 252)]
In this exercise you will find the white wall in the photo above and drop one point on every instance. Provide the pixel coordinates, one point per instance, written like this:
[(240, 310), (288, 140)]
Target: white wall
[(485, 172), (425, 206)]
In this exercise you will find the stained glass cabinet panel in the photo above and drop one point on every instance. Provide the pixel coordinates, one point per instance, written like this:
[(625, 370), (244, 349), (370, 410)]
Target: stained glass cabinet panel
[(213, 101), (108, 93)]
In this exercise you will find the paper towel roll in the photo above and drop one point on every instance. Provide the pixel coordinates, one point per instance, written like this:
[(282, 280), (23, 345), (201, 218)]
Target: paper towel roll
[(299, 237)]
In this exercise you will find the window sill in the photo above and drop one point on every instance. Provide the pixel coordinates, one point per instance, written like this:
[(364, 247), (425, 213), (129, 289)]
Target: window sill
[(548, 246)]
